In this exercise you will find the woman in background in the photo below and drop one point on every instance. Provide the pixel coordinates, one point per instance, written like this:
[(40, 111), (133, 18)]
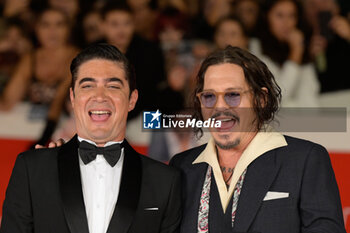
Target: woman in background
[(283, 48), (249, 13), (42, 76), (14, 43), (330, 44), (230, 31)]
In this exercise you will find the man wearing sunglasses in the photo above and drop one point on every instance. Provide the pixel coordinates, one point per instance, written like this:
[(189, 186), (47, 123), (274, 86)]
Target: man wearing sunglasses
[(248, 177)]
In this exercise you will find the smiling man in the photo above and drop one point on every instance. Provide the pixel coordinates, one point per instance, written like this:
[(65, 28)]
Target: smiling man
[(249, 178), (95, 183)]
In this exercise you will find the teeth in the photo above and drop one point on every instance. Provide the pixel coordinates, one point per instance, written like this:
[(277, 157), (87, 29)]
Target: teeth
[(225, 120), (99, 112)]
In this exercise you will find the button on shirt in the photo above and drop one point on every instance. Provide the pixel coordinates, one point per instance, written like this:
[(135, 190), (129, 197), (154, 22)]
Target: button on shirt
[(100, 185)]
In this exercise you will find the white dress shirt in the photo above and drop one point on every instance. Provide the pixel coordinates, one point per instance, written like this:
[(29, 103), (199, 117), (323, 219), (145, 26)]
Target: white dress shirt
[(100, 185)]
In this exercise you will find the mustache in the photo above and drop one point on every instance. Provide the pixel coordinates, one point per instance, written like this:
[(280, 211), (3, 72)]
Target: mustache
[(226, 113)]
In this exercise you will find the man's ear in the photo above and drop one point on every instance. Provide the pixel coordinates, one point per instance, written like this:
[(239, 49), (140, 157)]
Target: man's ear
[(71, 95), (133, 99), (263, 100)]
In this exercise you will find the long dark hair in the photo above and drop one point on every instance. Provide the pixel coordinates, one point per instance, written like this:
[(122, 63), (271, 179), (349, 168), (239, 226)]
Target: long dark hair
[(257, 76), (277, 50)]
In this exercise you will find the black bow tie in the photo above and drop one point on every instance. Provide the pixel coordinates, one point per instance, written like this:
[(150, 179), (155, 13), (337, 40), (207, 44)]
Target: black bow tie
[(88, 152)]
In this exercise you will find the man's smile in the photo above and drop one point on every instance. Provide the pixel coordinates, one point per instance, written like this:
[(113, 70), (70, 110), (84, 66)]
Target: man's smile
[(228, 120), (227, 123), (99, 115)]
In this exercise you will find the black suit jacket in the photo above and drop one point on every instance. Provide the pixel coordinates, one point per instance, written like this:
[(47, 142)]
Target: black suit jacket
[(44, 194), (303, 169)]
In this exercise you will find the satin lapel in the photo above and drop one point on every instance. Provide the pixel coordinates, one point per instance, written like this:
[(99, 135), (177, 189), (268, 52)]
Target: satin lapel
[(260, 175), (70, 187), (129, 192)]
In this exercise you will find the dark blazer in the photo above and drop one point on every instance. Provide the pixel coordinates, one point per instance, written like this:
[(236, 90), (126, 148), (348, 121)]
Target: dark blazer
[(44, 194), (303, 169)]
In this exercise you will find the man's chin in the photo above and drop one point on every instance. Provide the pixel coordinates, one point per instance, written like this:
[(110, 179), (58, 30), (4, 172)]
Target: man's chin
[(227, 144), (226, 140), (100, 136)]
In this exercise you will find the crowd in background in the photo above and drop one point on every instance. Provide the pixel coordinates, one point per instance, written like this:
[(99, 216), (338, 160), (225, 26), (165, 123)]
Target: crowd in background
[(305, 44)]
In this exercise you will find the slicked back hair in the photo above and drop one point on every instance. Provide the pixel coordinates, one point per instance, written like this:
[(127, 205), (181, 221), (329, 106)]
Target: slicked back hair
[(106, 52)]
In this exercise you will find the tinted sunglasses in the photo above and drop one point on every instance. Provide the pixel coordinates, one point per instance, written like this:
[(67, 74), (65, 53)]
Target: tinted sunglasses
[(209, 98)]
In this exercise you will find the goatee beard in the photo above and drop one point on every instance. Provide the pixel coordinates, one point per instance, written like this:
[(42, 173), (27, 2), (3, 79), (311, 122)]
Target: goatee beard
[(228, 145)]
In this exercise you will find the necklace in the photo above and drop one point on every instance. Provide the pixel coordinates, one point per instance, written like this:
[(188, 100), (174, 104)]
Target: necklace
[(228, 179)]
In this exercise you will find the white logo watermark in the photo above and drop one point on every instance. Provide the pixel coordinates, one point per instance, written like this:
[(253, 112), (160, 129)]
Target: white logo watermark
[(157, 120)]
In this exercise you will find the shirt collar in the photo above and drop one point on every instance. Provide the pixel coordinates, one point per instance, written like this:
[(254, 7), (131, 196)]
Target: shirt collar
[(264, 141), (93, 143)]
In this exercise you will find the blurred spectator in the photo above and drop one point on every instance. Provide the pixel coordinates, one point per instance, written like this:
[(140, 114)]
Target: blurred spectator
[(230, 31), (330, 44), (14, 8), (92, 26), (69, 7), (182, 58), (184, 6), (14, 43), (211, 12), (43, 75), (179, 61), (24, 10), (200, 50), (145, 56), (171, 28), (73, 10), (145, 15), (282, 48), (249, 13)]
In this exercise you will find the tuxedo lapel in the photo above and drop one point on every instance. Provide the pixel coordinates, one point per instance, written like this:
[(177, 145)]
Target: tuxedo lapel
[(129, 192), (70, 187), (194, 183), (260, 175)]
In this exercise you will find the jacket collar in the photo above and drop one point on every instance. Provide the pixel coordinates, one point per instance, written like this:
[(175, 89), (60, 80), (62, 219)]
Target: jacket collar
[(257, 182), (264, 141), (72, 195)]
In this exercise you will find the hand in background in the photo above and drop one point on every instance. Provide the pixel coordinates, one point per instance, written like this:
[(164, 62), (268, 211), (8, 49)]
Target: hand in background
[(341, 26), (295, 40), (318, 45), (14, 7), (58, 143)]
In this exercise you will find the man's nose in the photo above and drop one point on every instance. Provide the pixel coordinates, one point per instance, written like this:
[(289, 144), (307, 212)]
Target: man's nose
[(221, 103), (100, 94)]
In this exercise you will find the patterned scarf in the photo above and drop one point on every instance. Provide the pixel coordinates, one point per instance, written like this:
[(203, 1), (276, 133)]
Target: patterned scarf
[(203, 222)]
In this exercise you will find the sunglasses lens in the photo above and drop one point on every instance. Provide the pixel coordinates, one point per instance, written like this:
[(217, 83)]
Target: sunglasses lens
[(233, 99), (208, 99)]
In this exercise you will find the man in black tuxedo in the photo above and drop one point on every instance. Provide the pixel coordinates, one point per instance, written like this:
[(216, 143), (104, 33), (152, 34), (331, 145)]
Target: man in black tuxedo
[(95, 183), (248, 177)]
